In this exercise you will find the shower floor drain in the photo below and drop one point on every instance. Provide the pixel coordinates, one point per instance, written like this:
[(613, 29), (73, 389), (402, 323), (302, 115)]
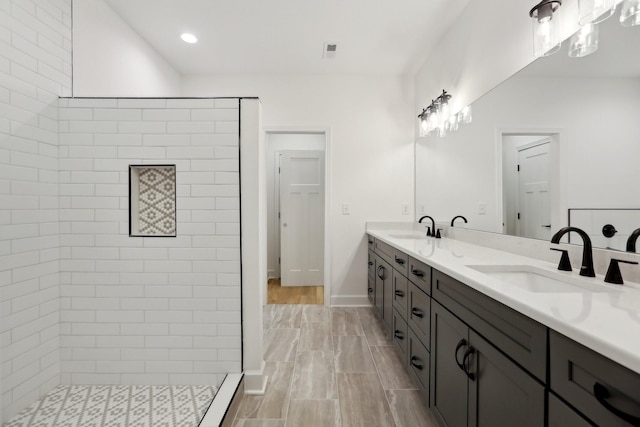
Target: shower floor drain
[(118, 406)]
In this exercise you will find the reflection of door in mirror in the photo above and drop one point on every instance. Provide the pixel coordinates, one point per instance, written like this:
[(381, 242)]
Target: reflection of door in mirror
[(527, 183)]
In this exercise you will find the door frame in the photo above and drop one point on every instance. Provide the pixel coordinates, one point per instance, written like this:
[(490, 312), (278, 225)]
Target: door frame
[(558, 137), (268, 130)]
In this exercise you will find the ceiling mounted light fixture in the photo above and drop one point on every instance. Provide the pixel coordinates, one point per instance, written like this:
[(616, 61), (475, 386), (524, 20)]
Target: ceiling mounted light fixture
[(630, 14), (189, 38), (594, 11), (584, 42), (546, 40)]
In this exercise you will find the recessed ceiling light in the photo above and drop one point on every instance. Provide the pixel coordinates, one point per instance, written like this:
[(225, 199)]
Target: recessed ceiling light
[(189, 38)]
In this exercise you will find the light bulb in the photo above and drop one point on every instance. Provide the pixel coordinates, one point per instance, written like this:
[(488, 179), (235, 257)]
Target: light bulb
[(465, 115), (594, 11), (630, 14), (584, 42), (189, 38), (545, 37)]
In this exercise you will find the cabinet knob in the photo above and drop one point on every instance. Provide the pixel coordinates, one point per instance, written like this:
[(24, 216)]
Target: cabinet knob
[(399, 260), (399, 294), (417, 273), (417, 312), (398, 334)]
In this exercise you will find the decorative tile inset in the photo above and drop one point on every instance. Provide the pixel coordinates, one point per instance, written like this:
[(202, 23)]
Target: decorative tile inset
[(118, 406), (152, 200)]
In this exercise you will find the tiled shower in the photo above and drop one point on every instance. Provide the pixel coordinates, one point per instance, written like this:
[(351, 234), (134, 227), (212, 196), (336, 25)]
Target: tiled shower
[(82, 301)]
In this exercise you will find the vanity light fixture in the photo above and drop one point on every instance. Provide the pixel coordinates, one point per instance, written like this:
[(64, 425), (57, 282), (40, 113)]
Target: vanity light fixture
[(437, 117), (594, 11), (630, 14), (189, 38), (584, 42), (546, 40)]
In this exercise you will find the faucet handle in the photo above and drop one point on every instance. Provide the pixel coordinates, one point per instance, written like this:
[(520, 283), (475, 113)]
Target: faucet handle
[(438, 235), (565, 262), (613, 272), (428, 231)]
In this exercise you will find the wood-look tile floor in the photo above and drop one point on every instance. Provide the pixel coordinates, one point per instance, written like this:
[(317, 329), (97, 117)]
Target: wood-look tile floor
[(331, 367), (277, 294)]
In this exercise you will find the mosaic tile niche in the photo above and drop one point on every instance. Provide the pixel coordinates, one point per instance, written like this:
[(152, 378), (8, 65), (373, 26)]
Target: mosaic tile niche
[(152, 200)]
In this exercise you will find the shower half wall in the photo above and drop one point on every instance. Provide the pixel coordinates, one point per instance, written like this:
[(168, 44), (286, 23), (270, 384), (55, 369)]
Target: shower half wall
[(149, 310)]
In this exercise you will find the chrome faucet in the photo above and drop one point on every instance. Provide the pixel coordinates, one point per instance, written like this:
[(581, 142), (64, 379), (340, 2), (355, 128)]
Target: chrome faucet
[(631, 241), (587, 250), (456, 217), (433, 227)]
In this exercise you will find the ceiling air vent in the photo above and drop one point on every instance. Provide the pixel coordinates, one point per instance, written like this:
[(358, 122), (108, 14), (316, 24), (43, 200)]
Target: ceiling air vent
[(329, 51)]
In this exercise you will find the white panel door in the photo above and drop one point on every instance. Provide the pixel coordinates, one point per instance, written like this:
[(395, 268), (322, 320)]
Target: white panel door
[(534, 201), (302, 218)]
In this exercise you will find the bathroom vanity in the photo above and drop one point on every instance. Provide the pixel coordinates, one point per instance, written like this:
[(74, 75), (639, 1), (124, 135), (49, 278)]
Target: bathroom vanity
[(498, 339)]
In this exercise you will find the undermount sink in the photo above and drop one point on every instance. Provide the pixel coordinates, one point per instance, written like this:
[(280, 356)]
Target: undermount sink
[(539, 280), (407, 236)]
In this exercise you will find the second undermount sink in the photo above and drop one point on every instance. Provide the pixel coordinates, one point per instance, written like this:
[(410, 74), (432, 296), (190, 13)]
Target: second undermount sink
[(539, 280)]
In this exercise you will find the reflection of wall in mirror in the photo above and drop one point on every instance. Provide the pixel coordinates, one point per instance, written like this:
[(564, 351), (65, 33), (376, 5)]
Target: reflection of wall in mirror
[(593, 220)]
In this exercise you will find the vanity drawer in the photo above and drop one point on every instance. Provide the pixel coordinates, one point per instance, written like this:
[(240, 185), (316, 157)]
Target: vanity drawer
[(604, 391), (384, 251), (419, 312), (400, 293), (420, 274), (519, 337), (400, 262), (400, 337), (560, 415), (419, 363), (371, 240)]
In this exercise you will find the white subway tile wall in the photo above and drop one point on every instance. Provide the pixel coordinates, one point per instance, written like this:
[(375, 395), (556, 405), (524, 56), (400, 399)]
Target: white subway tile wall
[(81, 302), (35, 69), (149, 310)]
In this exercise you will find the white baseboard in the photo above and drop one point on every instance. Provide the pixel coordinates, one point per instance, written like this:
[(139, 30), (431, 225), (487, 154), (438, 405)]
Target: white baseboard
[(350, 301), (255, 382)]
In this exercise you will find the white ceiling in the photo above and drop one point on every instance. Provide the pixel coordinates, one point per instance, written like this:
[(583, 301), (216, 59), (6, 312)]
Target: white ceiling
[(287, 36)]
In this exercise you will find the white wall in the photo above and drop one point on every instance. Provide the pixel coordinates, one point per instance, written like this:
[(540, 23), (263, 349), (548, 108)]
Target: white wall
[(490, 41), (145, 310), (35, 68), (111, 59), (277, 142), (371, 149)]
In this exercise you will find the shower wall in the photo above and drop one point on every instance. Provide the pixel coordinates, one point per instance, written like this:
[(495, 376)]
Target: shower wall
[(149, 310), (35, 68)]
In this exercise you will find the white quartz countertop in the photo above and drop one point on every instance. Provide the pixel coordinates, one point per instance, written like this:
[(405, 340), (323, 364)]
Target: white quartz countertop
[(601, 316)]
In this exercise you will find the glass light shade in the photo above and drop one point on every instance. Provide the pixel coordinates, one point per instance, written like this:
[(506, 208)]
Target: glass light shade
[(584, 42), (594, 11), (546, 40), (465, 115), (453, 123), (423, 127), (630, 14)]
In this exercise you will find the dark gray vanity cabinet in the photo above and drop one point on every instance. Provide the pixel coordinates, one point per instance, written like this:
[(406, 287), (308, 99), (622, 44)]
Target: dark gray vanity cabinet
[(371, 278), (449, 393), (474, 384), (384, 276), (561, 415), (607, 393)]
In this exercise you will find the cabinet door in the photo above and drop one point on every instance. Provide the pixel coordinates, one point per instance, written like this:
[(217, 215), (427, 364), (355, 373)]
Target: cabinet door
[(400, 293), (383, 276), (500, 392), (371, 290), (387, 294), (560, 415), (448, 381)]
